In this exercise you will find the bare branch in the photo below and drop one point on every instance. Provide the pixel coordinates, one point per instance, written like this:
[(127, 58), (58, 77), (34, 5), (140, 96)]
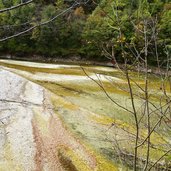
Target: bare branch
[(40, 24), (16, 6), (122, 107), (160, 159)]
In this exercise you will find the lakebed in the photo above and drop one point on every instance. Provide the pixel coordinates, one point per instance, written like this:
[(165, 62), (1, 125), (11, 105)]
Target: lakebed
[(70, 122)]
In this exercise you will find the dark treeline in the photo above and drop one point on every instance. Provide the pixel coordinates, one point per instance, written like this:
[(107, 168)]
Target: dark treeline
[(90, 30)]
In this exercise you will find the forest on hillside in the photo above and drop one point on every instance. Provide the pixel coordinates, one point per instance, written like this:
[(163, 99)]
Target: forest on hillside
[(90, 29)]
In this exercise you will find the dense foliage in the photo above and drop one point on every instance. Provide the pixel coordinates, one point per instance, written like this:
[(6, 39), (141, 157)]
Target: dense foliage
[(94, 30)]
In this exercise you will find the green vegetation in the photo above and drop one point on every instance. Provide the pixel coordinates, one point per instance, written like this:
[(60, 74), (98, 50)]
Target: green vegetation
[(88, 30)]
